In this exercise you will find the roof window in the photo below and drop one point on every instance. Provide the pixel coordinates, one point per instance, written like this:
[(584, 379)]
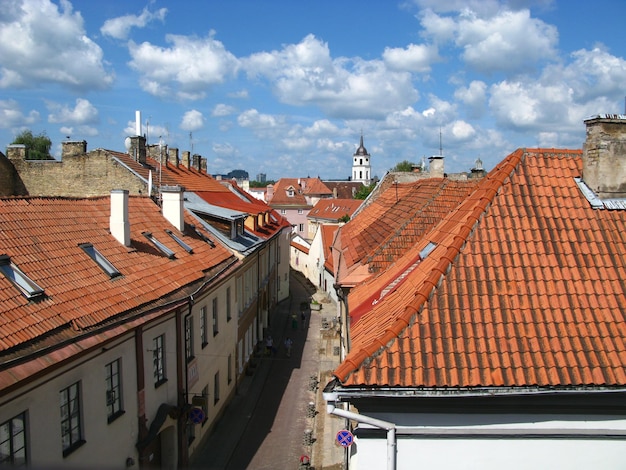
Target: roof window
[(202, 235), (27, 286), (186, 247), (100, 260), (160, 246), (427, 250)]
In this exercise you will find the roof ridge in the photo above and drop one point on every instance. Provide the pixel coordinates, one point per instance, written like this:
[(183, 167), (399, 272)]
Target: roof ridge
[(457, 230)]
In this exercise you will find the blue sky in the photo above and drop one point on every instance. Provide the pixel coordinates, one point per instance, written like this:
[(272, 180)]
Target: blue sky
[(286, 87)]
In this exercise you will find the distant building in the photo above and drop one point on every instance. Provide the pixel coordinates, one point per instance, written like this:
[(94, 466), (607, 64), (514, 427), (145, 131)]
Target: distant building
[(261, 177), (361, 165)]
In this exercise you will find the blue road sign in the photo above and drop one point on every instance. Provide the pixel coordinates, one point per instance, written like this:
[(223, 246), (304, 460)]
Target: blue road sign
[(196, 415), (345, 438)]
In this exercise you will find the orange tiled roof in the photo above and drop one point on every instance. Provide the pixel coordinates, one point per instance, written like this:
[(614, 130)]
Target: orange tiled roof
[(387, 227), (524, 289), (328, 236), (41, 235), (302, 187), (334, 209)]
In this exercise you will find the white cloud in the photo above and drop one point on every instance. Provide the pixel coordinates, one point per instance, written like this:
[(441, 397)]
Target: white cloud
[(48, 44), (305, 74), (119, 27), (186, 69), (224, 150), (192, 121), (221, 110), (83, 113), (474, 97), (11, 117), (414, 58), (253, 119)]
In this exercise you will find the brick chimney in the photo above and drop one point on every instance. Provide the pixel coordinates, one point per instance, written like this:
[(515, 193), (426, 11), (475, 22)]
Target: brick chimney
[(118, 221), (435, 167), (604, 155), (137, 149), (196, 161), (186, 158), (73, 148), (269, 193), (16, 152), (172, 156), (173, 206)]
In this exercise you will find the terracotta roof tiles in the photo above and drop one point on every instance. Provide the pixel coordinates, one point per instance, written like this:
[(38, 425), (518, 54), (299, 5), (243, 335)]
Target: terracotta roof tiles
[(516, 294)]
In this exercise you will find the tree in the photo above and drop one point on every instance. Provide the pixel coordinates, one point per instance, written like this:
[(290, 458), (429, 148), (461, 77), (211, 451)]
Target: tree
[(258, 184), (404, 166), (37, 146), (364, 191)]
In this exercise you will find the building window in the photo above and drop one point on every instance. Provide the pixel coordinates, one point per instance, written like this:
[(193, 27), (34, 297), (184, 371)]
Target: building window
[(27, 286), (189, 338), (300, 211), (228, 312), (301, 228), (13, 442), (203, 325), (216, 388), (215, 325), (230, 368), (158, 360), (71, 428), (283, 211), (100, 260), (191, 432), (113, 390), (205, 403)]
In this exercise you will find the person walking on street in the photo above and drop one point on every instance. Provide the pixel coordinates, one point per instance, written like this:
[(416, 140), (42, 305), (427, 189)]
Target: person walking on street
[(288, 345)]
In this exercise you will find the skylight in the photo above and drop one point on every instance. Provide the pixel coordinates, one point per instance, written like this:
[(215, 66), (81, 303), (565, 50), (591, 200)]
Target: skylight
[(186, 247), (202, 235), (427, 250), (104, 263), (27, 286), (160, 246)]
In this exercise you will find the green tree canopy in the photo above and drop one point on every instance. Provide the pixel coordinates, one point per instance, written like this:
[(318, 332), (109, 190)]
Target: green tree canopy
[(37, 146), (405, 166), (258, 184), (365, 191)]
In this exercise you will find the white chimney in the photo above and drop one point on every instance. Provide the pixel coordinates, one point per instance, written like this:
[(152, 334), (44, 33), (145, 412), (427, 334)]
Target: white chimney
[(118, 222), (138, 122), (172, 198)]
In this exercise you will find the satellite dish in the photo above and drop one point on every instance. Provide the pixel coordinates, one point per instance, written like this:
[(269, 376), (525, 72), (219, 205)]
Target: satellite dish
[(127, 143)]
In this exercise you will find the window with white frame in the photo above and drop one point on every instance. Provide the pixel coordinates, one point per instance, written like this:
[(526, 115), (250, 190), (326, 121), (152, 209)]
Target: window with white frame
[(203, 327), (113, 384), (188, 338), (13, 442), (158, 360), (71, 426), (215, 324)]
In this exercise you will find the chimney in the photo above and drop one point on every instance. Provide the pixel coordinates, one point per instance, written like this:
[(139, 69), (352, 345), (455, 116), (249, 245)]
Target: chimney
[(604, 155), (73, 149), (173, 206), (137, 149), (137, 123), (269, 193), (16, 152), (203, 164), (172, 156), (435, 168), (196, 161), (186, 158), (119, 224)]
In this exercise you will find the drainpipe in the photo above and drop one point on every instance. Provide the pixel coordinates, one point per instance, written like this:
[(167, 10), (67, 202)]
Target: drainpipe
[(331, 399)]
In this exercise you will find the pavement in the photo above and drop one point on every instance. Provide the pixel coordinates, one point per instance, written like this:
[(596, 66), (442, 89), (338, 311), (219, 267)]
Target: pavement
[(278, 414)]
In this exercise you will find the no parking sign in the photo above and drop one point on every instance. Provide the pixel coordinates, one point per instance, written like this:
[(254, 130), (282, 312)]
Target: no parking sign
[(345, 438)]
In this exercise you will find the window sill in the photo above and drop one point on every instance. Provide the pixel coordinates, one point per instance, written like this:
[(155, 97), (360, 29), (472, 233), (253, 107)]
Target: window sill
[(159, 383), (73, 447), (115, 415)]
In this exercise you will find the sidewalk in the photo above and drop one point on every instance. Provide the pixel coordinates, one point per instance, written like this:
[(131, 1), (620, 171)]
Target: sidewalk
[(279, 414)]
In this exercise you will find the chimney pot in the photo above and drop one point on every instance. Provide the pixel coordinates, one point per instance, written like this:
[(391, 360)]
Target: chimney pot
[(118, 221), (173, 209)]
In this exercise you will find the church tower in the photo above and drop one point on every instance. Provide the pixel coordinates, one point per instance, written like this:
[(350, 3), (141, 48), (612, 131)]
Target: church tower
[(361, 167)]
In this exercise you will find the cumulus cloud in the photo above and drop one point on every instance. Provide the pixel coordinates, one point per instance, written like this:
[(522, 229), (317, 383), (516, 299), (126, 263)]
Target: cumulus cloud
[(120, 27), (305, 74), (192, 121), (184, 70), (44, 43), (474, 97), (12, 117), (414, 58), (83, 113), (221, 110)]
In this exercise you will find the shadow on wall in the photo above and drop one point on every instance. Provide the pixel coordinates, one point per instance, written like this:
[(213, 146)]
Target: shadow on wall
[(10, 182)]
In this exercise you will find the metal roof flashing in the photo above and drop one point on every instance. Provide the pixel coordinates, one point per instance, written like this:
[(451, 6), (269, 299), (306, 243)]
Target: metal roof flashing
[(597, 202)]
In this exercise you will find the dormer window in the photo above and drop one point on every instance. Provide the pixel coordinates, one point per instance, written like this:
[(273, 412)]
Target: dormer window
[(27, 286), (290, 192), (100, 260), (160, 246), (186, 247)]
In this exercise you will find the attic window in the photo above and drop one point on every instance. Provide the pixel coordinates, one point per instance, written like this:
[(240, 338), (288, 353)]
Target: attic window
[(427, 250), (186, 247), (27, 286), (160, 246), (104, 263), (203, 236), (290, 192)]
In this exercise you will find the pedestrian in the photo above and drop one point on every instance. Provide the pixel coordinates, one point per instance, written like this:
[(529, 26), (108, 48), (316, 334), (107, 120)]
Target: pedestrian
[(294, 321), (269, 346), (288, 345)]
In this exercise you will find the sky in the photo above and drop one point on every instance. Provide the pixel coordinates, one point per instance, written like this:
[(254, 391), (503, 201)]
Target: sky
[(287, 88)]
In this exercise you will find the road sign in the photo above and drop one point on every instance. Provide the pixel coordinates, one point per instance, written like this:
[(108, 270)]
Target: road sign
[(345, 438), (196, 415)]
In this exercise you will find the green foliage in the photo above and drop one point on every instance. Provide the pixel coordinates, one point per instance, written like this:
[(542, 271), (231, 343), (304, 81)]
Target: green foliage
[(405, 166), (258, 184), (344, 218), (364, 191), (37, 146)]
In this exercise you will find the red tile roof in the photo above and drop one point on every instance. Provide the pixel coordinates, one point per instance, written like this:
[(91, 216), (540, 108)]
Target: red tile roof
[(41, 236), (525, 288), (303, 188), (386, 228), (334, 209)]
